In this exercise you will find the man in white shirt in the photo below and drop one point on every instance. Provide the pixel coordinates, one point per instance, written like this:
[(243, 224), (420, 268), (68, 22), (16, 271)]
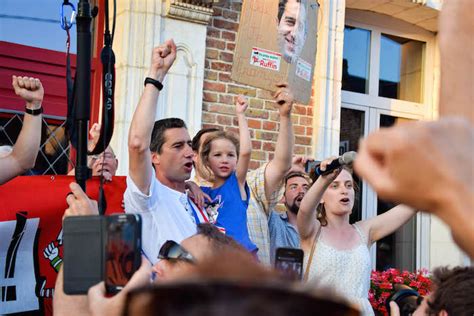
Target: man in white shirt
[(160, 161)]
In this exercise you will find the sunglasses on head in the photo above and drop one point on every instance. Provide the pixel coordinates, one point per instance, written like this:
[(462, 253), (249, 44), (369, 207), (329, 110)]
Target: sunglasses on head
[(171, 250)]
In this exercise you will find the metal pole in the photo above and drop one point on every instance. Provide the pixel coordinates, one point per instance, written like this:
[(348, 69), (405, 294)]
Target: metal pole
[(83, 92)]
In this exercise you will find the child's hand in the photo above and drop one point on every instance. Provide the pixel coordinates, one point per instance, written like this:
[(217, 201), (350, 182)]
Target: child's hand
[(197, 195), (241, 104)]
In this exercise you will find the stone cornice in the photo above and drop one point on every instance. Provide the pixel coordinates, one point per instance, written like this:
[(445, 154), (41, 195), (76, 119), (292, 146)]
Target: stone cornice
[(196, 11)]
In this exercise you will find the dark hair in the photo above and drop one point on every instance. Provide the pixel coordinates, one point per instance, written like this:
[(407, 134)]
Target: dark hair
[(206, 147), (197, 138), (219, 240), (159, 129), (281, 7), (294, 174), (453, 291), (321, 210), (230, 298), (233, 284)]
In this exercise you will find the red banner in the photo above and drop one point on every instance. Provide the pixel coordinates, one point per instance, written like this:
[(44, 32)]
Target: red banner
[(31, 210)]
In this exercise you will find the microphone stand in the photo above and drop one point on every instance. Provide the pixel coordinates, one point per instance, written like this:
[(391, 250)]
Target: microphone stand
[(83, 78)]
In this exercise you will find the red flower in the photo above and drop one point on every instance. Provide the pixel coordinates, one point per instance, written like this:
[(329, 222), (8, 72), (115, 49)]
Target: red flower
[(381, 287), (386, 286), (398, 279)]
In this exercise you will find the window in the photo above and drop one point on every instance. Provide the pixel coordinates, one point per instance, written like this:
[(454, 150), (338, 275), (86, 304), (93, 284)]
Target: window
[(397, 250), (355, 63), (401, 68), (386, 78), (385, 68)]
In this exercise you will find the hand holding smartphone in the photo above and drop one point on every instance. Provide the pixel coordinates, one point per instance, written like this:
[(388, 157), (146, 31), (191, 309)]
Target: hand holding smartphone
[(310, 165), (290, 262), (123, 248), (100, 248)]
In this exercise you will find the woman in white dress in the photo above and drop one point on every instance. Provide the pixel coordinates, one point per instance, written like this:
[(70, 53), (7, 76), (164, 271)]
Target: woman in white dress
[(336, 252)]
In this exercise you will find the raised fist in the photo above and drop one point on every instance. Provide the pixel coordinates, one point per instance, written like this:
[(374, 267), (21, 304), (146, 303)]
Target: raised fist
[(51, 252), (284, 98), (162, 59), (29, 89), (241, 104)]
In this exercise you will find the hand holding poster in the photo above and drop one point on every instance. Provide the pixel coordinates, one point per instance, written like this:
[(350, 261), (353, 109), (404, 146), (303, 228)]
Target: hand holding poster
[(277, 43)]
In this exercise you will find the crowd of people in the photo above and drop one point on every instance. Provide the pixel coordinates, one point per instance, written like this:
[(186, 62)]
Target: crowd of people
[(222, 225)]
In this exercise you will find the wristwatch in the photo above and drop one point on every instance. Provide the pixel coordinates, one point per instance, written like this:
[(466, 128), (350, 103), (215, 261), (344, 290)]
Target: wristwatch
[(34, 112), (154, 82)]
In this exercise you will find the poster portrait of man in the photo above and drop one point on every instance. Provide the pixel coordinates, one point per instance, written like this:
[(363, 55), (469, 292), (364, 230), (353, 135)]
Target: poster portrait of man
[(292, 28), (276, 42)]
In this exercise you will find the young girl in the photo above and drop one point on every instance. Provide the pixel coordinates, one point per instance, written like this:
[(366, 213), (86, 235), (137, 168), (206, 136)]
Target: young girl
[(227, 163), (336, 252)]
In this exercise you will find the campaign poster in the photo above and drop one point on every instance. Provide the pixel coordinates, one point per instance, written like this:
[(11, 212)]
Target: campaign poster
[(276, 42)]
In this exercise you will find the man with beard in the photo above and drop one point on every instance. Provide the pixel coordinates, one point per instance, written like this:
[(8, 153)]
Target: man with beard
[(292, 28), (282, 225)]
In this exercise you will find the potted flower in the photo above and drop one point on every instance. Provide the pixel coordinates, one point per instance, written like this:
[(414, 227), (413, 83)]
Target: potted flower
[(382, 286)]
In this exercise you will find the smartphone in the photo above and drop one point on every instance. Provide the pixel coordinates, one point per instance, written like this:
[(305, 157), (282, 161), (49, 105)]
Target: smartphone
[(83, 253), (122, 250), (290, 262), (310, 165)]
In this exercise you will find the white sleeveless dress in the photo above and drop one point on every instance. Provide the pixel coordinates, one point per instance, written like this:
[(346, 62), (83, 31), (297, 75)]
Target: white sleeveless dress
[(346, 271)]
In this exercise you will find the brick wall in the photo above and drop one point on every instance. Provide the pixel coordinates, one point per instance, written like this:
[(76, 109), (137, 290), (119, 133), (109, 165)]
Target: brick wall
[(220, 90)]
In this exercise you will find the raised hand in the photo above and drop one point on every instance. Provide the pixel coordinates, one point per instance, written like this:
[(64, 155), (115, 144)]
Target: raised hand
[(94, 132), (162, 59), (51, 251), (401, 162), (79, 203), (332, 175), (29, 89), (284, 98), (299, 162), (241, 104)]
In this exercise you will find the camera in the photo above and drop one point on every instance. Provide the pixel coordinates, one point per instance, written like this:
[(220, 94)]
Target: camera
[(406, 298), (100, 248)]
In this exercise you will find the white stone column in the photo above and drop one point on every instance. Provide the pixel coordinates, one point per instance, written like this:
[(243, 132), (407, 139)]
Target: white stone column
[(140, 26), (327, 84)]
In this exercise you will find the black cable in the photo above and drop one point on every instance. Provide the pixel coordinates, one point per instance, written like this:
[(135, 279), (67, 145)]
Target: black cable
[(113, 22), (108, 42)]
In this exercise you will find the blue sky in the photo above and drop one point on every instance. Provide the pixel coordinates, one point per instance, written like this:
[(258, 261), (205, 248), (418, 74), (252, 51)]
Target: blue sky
[(35, 23)]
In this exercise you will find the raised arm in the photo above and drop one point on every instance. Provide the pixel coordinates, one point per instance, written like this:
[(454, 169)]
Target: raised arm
[(306, 220), (23, 156), (245, 145), (281, 163), (139, 138), (388, 222)]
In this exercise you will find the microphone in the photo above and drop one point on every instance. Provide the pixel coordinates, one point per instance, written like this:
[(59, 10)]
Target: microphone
[(346, 159)]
